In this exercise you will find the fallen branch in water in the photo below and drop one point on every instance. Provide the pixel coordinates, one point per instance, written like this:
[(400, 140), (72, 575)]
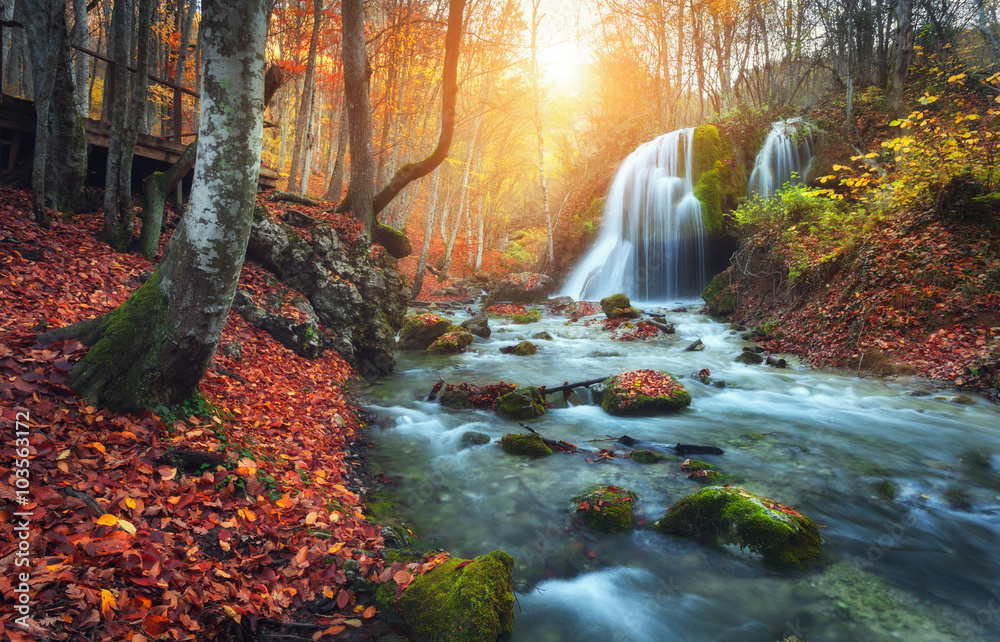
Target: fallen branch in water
[(566, 387), (561, 446)]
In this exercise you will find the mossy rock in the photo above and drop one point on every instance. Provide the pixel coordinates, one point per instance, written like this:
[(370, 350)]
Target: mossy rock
[(646, 456), (473, 438), (691, 465), (455, 340), (719, 298), (749, 358), (730, 515), (615, 302), (542, 336), (607, 508), (455, 398), (717, 178), (421, 330), (623, 313), (530, 445), (462, 600), (641, 393), (522, 403), (525, 348)]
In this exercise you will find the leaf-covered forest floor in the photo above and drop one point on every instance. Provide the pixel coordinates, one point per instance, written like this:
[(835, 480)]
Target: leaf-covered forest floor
[(130, 543)]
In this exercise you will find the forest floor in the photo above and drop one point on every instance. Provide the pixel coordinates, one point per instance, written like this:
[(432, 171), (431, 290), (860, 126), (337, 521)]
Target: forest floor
[(128, 541)]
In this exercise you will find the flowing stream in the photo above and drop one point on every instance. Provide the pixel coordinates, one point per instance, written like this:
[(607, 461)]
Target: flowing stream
[(923, 564)]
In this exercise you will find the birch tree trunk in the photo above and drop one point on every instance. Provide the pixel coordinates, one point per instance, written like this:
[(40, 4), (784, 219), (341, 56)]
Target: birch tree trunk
[(336, 187), (304, 117), (418, 278), (153, 349), (81, 36)]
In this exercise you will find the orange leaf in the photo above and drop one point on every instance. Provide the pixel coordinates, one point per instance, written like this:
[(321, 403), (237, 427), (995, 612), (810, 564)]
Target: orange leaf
[(107, 519), (156, 621), (108, 604), (369, 612)]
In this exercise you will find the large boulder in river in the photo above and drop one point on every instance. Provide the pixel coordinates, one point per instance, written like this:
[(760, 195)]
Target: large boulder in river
[(779, 534), (421, 330), (478, 325), (617, 306), (531, 445), (522, 403), (641, 392), (461, 600), (524, 287), (455, 340), (606, 508)]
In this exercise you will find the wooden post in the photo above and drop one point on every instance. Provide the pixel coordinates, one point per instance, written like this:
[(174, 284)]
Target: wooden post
[(178, 124)]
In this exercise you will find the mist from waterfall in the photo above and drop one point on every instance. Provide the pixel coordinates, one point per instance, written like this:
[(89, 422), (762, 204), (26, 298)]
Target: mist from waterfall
[(784, 158), (651, 245)]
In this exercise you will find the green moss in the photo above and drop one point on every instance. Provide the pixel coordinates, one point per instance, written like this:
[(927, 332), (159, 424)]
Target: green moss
[(129, 348), (606, 508), (525, 348), (731, 515), (719, 298), (623, 313), (694, 464), (615, 302), (717, 178), (522, 403), (531, 316), (530, 445), (420, 331), (619, 395), (455, 340), (885, 488), (646, 456), (454, 398), (462, 600)]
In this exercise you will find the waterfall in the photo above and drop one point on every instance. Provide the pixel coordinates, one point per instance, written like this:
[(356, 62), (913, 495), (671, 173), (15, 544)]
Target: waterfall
[(651, 245), (784, 158)]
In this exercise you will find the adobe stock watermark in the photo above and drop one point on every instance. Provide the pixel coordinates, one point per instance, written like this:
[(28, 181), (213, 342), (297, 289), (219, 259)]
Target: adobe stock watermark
[(22, 523)]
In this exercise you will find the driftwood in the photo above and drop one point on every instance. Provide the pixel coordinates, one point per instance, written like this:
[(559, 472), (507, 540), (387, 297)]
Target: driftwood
[(566, 387), (697, 345), (680, 449), (777, 363), (666, 328)]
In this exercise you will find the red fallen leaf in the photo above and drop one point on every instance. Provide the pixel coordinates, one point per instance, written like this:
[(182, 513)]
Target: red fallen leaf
[(46, 496), (463, 564), (343, 599), (584, 505), (402, 577), (156, 621), (32, 376), (591, 554)]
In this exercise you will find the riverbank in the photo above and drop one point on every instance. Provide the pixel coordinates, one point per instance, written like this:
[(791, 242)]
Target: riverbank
[(221, 516)]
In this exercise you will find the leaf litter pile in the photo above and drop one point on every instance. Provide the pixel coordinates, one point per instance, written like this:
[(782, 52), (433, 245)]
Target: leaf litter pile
[(131, 541)]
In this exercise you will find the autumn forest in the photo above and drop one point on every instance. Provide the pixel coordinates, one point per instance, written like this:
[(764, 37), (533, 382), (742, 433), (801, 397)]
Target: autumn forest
[(499, 319)]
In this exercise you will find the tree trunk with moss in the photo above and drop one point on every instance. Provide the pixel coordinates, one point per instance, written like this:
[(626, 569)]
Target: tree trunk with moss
[(154, 348)]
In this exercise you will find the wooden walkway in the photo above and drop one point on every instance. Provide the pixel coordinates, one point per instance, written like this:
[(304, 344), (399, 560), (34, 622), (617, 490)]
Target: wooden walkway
[(17, 132)]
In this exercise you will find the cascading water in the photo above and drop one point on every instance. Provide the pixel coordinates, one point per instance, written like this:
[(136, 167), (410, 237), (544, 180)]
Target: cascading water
[(652, 242), (784, 158)]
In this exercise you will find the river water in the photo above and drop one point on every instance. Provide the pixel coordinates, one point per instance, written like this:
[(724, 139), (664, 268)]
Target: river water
[(918, 562)]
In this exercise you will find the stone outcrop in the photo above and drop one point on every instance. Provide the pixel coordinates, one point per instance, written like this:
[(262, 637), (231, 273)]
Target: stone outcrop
[(358, 295)]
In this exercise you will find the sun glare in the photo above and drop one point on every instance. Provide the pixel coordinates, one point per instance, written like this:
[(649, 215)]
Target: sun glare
[(560, 65)]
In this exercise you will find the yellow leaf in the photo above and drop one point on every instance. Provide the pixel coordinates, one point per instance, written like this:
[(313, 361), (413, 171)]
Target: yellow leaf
[(64, 454), (107, 604), (872, 155), (231, 612), (956, 78), (328, 592), (98, 446), (336, 547), (311, 517), (126, 526), (972, 117), (107, 519), (130, 503)]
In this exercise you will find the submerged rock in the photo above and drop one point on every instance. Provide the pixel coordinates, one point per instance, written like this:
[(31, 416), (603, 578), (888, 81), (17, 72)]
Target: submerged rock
[(730, 515), (455, 398), (478, 325), (646, 456), (522, 403), (749, 358), (641, 392), (455, 340), (421, 330), (462, 600), (525, 348), (606, 508), (542, 336), (473, 438), (530, 445)]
